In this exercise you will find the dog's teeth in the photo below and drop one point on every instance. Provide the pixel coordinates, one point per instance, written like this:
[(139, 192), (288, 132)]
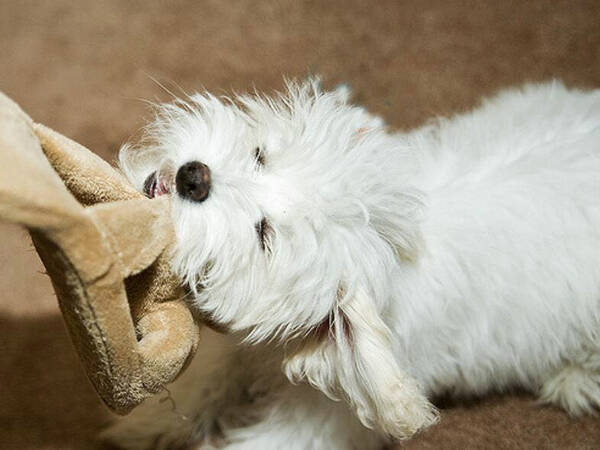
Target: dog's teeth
[(163, 188), (150, 185)]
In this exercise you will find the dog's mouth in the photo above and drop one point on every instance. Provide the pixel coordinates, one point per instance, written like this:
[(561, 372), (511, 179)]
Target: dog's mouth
[(158, 183)]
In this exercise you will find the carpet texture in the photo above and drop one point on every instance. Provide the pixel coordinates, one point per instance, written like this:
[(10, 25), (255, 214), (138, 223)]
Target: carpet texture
[(87, 68)]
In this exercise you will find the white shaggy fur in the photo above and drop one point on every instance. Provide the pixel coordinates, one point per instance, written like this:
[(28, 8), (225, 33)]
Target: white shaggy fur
[(459, 258)]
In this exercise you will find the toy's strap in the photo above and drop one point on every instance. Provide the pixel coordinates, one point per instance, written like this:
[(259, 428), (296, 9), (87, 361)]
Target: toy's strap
[(108, 262), (126, 361)]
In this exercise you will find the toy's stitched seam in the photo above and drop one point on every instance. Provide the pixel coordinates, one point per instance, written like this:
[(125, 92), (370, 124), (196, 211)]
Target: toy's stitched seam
[(61, 255), (86, 297), (109, 238)]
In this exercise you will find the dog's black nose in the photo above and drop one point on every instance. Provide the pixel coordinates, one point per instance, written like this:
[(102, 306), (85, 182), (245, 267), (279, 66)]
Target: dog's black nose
[(193, 181)]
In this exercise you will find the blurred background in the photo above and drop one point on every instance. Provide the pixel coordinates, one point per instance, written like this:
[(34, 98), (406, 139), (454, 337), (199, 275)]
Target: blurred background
[(85, 68)]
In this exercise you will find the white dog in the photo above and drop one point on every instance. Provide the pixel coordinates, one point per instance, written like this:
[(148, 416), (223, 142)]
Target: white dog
[(358, 273)]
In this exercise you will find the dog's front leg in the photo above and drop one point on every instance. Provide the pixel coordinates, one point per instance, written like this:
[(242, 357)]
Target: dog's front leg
[(298, 418), (189, 410)]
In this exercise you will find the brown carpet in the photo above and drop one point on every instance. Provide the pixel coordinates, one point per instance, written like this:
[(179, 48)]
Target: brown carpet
[(84, 70)]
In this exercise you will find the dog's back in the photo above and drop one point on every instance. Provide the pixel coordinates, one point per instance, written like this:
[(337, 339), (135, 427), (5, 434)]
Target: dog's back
[(508, 288)]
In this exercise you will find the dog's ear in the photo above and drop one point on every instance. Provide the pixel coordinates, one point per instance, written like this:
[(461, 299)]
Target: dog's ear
[(350, 356)]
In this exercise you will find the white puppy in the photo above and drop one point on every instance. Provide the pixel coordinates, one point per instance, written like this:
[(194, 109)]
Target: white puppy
[(358, 273)]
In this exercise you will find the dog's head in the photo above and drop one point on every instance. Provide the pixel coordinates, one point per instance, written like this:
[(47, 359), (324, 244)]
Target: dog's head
[(292, 215)]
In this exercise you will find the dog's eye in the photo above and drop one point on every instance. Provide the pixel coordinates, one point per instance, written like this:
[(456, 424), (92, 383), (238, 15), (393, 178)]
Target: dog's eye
[(265, 234), (259, 156)]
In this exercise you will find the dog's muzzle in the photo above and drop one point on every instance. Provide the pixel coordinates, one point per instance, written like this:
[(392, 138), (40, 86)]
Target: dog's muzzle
[(193, 181)]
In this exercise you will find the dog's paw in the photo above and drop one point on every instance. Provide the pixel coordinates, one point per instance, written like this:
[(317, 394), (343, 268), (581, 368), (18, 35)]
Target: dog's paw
[(576, 389)]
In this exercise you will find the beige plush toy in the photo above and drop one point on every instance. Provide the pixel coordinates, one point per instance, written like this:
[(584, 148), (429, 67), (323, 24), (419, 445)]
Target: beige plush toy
[(105, 247)]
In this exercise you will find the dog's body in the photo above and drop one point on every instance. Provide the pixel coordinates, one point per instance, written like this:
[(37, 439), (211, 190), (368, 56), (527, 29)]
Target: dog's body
[(460, 258)]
